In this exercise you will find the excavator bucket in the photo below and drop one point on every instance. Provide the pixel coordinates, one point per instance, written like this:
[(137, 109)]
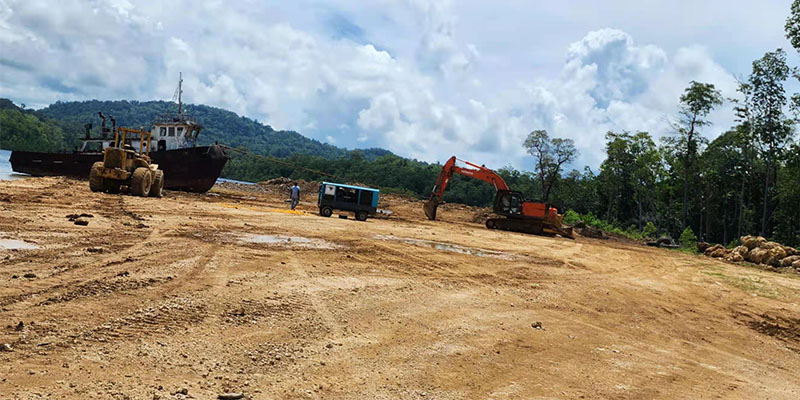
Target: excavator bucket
[(430, 207), (565, 232)]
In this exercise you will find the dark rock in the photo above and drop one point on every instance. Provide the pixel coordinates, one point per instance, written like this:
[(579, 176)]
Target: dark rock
[(231, 396), (6, 347), (81, 222), (702, 246), (29, 275), (537, 325), (95, 249)]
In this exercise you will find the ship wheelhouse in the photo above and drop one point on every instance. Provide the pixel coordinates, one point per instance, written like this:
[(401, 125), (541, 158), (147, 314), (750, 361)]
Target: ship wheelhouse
[(171, 132)]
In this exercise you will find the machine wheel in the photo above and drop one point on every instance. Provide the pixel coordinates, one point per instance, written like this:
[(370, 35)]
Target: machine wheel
[(95, 180), (361, 215), (490, 223), (141, 181), (326, 211), (158, 184)]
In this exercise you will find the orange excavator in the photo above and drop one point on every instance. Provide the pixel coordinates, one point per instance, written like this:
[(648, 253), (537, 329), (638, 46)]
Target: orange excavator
[(518, 214)]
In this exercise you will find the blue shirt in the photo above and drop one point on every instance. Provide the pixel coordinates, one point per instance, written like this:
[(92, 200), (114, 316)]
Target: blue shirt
[(295, 192)]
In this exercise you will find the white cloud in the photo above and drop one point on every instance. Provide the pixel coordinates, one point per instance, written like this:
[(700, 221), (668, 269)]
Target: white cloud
[(402, 77)]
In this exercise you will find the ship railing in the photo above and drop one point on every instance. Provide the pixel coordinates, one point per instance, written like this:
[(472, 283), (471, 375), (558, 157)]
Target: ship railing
[(174, 118)]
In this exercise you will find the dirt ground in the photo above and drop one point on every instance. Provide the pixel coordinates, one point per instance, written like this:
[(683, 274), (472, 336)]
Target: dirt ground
[(195, 295)]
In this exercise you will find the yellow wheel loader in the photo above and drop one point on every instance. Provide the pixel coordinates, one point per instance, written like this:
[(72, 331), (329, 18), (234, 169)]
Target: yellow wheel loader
[(122, 167)]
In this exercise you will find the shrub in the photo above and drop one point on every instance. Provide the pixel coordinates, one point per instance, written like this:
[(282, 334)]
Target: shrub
[(688, 239), (649, 231), (571, 217)]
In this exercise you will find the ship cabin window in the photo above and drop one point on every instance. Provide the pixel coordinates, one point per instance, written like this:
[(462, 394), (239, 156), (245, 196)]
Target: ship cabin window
[(163, 131), (172, 131), (180, 131)]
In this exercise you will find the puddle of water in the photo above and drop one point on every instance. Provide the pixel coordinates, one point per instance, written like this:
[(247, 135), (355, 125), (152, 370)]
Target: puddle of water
[(450, 247), (291, 241), (13, 244)]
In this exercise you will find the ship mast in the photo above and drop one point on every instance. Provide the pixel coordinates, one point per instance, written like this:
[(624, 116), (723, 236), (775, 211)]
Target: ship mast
[(179, 92)]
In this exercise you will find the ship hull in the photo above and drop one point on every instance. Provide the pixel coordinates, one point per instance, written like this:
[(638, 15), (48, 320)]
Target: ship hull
[(193, 169)]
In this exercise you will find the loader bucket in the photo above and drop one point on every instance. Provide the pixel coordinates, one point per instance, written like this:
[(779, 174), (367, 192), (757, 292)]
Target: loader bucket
[(430, 207)]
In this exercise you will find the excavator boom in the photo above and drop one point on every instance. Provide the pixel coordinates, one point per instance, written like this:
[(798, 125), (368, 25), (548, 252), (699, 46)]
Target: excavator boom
[(448, 169)]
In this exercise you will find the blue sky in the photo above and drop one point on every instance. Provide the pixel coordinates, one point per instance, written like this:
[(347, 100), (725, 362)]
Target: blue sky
[(426, 79)]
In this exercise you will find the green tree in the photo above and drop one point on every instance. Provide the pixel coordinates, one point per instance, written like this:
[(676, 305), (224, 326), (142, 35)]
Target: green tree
[(550, 155), (771, 128), (696, 102), (629, 176)]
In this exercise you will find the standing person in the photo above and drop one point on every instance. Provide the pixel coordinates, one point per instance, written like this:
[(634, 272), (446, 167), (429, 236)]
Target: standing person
[(295, 195)]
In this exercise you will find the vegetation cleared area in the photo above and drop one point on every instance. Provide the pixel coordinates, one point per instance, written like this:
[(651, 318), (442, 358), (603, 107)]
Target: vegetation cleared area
[(197, 295)]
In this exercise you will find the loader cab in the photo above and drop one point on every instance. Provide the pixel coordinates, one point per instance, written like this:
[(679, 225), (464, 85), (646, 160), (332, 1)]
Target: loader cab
[(362, 201)]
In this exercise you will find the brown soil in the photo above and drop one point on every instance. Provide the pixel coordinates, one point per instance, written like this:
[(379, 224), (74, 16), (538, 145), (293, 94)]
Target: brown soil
[(227, 292)]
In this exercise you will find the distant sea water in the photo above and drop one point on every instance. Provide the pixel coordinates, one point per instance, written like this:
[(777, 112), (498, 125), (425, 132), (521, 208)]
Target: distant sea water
[(5, 167)]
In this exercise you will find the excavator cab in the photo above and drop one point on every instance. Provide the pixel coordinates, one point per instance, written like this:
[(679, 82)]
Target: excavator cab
[(508, 203)]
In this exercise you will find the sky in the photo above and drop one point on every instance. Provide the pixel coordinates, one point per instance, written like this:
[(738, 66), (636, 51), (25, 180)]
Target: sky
[(426, 79)]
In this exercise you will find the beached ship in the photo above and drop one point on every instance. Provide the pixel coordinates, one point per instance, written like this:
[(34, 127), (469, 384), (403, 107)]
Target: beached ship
[(173, 147)]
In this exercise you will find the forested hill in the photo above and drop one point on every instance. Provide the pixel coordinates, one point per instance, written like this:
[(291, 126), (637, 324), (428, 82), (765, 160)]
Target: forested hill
[(221, 126)]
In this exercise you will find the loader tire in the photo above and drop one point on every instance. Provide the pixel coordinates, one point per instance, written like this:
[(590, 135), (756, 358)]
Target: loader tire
[(141, 181), (156, 189), (95, 180)]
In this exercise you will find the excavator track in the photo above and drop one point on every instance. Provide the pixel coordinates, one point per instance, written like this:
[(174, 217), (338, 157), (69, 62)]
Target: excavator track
[(528, 226)]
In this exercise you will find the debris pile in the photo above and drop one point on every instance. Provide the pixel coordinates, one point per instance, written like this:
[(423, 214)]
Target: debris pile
[(481, 216), (592, 232), (757, 250), (284, 186), (669, 243)]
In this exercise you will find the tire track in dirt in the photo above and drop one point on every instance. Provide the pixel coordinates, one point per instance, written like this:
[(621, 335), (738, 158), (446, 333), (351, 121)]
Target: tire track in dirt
[(510, 276), (76, 275), (320, 308), (177, 305)]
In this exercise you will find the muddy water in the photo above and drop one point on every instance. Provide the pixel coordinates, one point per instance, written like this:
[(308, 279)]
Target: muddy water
[(13, 244), (452, 247), (287, 241)]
